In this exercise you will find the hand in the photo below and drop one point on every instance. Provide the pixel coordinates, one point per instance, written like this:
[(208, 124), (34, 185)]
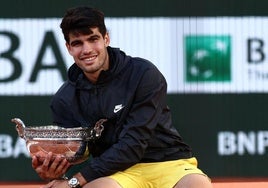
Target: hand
[(57, 184), (49, 167)]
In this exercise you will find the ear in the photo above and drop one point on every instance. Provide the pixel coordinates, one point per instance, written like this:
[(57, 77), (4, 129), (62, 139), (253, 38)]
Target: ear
[(107, 39)]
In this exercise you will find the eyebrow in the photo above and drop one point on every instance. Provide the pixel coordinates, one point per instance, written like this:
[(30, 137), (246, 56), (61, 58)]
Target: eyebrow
[(89, 38), (94, 36)]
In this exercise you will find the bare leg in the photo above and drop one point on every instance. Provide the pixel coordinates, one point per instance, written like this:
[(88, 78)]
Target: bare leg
[(194, 181), (103, 183)]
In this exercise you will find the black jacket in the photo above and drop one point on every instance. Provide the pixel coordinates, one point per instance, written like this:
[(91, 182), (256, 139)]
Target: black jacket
[(131, 95)]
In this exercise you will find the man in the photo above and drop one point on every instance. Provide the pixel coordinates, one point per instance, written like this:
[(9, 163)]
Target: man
[(139, 147)]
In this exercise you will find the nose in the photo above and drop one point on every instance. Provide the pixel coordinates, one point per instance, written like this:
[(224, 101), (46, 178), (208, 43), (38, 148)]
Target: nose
[(86, 48)]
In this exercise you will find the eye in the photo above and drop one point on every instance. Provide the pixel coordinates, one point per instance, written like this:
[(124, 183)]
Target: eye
[(76, 43), (94, 38)]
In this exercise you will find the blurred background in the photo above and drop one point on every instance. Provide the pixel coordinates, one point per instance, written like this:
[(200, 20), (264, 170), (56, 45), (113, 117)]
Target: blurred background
[(213, 54)]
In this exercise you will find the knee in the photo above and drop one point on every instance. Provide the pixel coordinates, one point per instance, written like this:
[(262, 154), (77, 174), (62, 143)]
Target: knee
[(194, 181)]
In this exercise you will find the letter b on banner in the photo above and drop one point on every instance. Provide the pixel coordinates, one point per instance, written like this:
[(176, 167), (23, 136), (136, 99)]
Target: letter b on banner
[(226, 143), (5, 146), (8, 55)]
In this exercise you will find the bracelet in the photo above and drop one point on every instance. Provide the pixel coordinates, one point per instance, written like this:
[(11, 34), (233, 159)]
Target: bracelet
[(64, 177)]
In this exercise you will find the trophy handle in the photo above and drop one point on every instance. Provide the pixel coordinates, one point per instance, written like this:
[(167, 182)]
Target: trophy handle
[(19, 127)]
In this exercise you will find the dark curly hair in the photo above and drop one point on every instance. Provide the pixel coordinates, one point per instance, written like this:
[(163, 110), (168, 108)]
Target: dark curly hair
[(80, 20)]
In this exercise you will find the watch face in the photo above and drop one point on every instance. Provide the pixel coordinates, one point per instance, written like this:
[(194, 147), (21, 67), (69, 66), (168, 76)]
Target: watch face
[(73, 182)]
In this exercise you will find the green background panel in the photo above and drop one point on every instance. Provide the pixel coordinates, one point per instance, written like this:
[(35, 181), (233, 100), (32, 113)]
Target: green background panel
[(137, 8)]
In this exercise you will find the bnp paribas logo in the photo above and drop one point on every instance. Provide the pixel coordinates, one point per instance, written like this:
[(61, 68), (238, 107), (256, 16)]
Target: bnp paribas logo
[(208, 58)]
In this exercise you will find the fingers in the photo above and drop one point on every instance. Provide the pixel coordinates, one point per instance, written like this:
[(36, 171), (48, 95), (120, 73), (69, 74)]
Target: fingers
[(52, 167), (63, 166), (35, 162), (59, 166), (37, 159), (47, 161), (42, 168)]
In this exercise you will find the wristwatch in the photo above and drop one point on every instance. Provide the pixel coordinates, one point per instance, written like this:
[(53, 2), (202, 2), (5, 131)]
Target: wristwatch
[(74, 183)]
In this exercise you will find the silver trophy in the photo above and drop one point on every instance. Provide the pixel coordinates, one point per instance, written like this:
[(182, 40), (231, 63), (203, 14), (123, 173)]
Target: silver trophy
[(69, 143)]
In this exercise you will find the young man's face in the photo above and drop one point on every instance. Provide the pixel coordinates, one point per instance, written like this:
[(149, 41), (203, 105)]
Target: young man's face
[(90, 52)]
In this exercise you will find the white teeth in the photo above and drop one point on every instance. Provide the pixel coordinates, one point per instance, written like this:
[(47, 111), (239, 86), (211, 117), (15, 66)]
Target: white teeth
[(90, 58)]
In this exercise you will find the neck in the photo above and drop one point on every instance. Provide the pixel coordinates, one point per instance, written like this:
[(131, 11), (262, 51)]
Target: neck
[(93, 76)]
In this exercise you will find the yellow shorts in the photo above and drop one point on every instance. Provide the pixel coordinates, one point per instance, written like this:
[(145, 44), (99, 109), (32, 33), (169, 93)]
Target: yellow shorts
[(156, 175)]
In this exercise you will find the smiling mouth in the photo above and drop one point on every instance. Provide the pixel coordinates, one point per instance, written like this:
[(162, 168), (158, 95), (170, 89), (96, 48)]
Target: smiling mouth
[(90, 59)]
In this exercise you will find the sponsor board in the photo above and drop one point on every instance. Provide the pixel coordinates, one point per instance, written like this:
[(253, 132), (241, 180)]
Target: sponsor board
[(229, 143), (196, 55), (242, 143), (208, 58), (32, 61), (12, 148)]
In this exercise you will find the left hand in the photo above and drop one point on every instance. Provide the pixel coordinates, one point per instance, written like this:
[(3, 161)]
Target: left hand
[(57, 184)]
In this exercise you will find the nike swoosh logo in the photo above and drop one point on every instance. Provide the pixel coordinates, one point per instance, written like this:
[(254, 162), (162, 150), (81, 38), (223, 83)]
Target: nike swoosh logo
[(188, 169), (118, 107)]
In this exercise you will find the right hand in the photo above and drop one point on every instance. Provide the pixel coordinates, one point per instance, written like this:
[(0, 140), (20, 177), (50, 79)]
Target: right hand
[(49, 167)]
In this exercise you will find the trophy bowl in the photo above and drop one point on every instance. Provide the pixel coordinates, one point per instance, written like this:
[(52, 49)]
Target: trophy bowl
[(69, 143)]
